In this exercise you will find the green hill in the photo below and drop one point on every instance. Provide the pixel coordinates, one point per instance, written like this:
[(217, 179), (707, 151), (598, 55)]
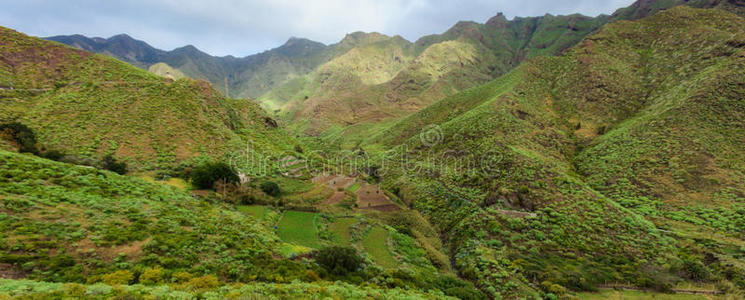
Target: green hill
[(91, 105), (81, 232), (618, 161), (64, 223), (345, 106)]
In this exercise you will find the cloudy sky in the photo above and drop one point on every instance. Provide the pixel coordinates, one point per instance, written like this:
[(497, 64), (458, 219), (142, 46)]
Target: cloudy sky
[(243, 27)]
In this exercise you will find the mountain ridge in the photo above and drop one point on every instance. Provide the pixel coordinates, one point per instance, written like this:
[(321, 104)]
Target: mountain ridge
[(92, 105)]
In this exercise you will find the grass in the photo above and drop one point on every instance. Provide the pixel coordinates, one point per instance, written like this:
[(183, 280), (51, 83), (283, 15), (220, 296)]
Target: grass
[(376, 245), (299, 228), (353, 188), (27, 289), (256, 211), (638, 295), (64, 223), (341, 228), (173, 181)]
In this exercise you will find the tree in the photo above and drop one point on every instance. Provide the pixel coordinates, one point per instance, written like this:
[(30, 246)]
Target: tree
[(339, 260), (53, 155), (23, 135), (271, 188), (205, 175), (110, 163)]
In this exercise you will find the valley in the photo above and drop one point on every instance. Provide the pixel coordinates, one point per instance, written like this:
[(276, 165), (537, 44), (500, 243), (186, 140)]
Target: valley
[(553, 157)]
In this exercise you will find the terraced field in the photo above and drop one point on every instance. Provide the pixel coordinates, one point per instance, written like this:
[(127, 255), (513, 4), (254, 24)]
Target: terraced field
[(376, 245), (341, 230), (299, 228), (256, 211)]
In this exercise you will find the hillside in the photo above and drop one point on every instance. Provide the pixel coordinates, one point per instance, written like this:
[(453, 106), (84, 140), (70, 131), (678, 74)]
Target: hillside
[(344, 107), (70, 231), (63, 223), (337, 102), (552, 157), (618, 161), (247, 77), (92, 105)]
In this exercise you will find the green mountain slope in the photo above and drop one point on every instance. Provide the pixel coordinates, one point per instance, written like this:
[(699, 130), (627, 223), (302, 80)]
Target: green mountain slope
[(67, 223), (348, 107), (618, 161), (91, 105), (83, 233), (246, 77)]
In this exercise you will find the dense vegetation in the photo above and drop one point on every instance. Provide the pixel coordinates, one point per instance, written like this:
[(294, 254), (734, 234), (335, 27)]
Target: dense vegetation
[(537, 158), (92, 106), (618, 161), (77, 225), (206, 175)]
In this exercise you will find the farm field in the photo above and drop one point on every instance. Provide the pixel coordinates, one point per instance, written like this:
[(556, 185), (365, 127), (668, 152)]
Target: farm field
[(376, 245), (353, 188), (299, 228), (256, 211), (341, 230)]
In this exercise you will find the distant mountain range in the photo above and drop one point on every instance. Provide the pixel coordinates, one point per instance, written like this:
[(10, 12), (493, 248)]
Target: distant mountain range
[(236, 77), (350, 90), (255, 75)]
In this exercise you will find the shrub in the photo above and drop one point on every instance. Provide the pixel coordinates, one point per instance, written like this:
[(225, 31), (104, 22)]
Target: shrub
[(111, 164), (339, 260), (53, 155), (204, 282), (118, 277), (152, 276), (181, 277), (465, 293), (270, 188), (22, 135), (695, 270), (205, 175)]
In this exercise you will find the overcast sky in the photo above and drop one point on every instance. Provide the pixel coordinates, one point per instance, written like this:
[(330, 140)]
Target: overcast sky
[(244, 27)]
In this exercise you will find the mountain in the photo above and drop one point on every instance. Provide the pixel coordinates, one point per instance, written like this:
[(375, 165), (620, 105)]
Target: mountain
[(553, 157), (247, 77), (92, 105), (645, 8), (83, 232), (345, 108), (618, 161)]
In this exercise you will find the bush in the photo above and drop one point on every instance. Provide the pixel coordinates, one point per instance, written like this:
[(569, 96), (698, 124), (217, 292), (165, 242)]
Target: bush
[(111, 164), (152, 276), (695, 270), (270, 188), (205, 175), (22, 135), (53, 155), (118, 277), (465, 293), (204, 282), (181, 277), (339, 260)]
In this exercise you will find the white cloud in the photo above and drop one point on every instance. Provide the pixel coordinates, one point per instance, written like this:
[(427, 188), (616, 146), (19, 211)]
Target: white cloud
[(240, 28)]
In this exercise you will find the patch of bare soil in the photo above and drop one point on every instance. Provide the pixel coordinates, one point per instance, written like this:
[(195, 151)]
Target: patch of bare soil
[(370, 196)]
